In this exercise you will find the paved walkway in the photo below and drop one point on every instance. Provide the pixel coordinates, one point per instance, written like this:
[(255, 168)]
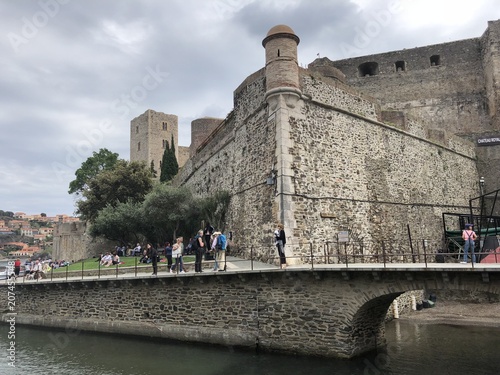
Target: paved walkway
[(238, 265)]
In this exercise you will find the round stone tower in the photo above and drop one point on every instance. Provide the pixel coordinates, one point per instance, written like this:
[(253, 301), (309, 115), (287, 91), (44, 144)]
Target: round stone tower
[(200, 130), (282, 68), (283, 97)]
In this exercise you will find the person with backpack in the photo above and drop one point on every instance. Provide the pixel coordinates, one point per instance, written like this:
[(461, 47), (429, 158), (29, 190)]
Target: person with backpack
[(469, 236), (197, 246), (219, 245)]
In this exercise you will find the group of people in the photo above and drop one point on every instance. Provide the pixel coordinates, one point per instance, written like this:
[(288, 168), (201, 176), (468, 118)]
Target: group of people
[(35, 270), (109, 259), (210, 241), (206, 241), (173, 254)]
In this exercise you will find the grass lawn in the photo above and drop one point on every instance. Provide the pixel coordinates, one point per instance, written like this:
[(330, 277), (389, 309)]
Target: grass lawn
[(93, 264)]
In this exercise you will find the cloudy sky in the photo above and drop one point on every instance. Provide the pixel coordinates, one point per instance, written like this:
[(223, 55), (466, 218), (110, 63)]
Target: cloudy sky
[(73, 73)]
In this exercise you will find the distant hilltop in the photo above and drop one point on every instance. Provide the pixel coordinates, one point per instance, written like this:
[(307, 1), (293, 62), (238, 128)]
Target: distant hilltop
[(40, 217)]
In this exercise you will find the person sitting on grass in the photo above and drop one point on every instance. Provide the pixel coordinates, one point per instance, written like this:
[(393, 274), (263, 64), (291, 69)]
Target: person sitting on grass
[(106, 260), (115, 260)]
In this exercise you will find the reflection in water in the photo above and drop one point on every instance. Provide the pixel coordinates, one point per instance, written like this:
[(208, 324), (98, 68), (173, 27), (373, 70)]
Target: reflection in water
[(45, 352), (412, 349), (441, 349)]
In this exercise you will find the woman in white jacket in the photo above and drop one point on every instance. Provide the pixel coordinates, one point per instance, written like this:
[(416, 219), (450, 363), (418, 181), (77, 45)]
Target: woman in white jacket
[(177, 251)]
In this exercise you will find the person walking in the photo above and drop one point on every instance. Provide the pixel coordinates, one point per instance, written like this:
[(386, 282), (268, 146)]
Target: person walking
[(469, 236), (153, 255), (17, 267), (280, 242), (213, 249)]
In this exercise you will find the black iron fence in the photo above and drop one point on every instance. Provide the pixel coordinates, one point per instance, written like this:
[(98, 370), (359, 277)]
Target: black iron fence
[(309, 255)]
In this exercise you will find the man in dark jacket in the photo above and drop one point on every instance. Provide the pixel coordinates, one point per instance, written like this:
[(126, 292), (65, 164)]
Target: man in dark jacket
[(207, 234), (153, 255), (199, 249)]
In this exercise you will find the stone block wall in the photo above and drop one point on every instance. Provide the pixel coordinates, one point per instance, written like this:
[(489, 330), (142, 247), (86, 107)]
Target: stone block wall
[(200, 130), (321, 312), (370, 178), (238, 158), (490, 49), (459, 94), (183, 152), (71, 243), (404, 303), (367, 177), (449, 96)]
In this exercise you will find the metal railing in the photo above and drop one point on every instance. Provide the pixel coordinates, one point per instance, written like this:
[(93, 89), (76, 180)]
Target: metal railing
[(309, 255)]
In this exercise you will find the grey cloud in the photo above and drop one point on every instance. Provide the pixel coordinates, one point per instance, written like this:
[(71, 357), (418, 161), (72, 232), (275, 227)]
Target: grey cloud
[(77, 70)]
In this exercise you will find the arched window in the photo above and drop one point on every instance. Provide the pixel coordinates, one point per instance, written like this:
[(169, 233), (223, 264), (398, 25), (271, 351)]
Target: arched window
[(368, 69), (435, 60)]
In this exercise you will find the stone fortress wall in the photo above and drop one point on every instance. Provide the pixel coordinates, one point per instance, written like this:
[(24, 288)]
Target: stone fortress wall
[(452, 87), (348, 145), (200, 129), (369, 177), (72, 243), (337, 166)]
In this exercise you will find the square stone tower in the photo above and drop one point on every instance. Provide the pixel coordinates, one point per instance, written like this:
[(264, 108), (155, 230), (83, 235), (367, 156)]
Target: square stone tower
[(150, 133)]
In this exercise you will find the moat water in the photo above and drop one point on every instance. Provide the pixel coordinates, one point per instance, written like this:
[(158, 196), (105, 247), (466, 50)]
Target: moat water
[(413, 348)]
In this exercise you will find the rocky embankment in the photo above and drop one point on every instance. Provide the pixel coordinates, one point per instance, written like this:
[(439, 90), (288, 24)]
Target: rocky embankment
[(453, 312)]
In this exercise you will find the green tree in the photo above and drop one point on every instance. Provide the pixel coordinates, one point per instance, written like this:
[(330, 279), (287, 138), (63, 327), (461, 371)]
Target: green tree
[(8, 214), (127, 181), (214, 209), (122, 223), (99, 161), (153, 170), (166, 209), (169, 164), (175, 164)]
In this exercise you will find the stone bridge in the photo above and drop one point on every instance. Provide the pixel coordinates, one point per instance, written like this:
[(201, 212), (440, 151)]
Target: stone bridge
[(329, 311)]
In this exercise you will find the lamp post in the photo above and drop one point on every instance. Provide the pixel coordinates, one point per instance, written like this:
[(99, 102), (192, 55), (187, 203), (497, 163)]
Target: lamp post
[(481, 185)]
